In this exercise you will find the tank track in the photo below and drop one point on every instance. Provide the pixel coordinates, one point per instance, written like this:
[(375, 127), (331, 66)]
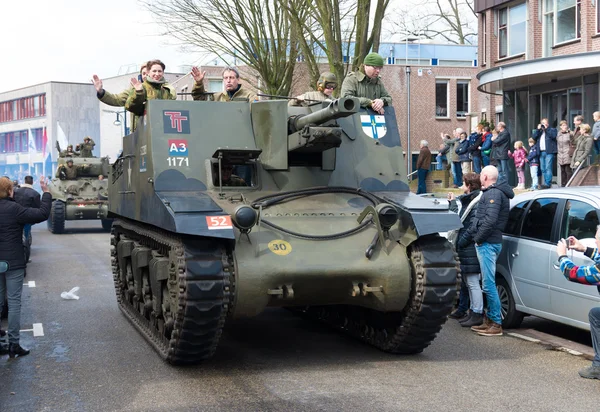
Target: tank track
[(435, 286), (200, 274), (56, 220)]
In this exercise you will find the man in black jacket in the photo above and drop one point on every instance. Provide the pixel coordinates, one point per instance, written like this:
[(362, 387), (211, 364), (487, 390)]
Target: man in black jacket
[(545, 138), (500, 148), (27, 196), (486, 230), (12, 256)]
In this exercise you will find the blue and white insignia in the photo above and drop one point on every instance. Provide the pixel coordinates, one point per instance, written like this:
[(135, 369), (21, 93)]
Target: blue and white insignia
[(373, 126)]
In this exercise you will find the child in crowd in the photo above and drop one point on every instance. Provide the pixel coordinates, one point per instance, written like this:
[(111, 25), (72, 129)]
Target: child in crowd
[(533, 158), (519, 156)]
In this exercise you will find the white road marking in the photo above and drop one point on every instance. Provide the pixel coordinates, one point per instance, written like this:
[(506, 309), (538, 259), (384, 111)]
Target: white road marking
[(31, 284), (527, 338), (38, 330)]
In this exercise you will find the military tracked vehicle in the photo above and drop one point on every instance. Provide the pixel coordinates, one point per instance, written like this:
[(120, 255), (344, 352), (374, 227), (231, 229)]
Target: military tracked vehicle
[(84, 197), (224, 209)]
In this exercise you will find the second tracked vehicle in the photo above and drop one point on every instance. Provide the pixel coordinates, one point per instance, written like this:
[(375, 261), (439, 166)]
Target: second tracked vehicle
[(80, 197), (224, 209)]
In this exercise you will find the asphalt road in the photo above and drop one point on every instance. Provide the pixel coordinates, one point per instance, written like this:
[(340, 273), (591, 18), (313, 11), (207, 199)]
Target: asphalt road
[(91, 359)]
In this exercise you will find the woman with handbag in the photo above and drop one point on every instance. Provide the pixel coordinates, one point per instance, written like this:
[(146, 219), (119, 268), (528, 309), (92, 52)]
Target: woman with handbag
[(13, 217), (565, 145)]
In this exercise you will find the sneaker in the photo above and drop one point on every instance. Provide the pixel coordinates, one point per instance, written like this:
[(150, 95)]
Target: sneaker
[(493, 330), (486, 324), (457, 314), (475, 319), (591, 372)]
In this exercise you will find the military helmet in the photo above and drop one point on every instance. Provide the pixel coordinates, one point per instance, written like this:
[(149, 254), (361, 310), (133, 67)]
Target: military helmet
[(86, 138), (69, 160), (324, 79), (70, 147)]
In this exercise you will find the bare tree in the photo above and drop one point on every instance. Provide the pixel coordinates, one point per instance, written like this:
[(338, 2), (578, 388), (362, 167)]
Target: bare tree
[(330, 25), (255, 32), (453, 21)]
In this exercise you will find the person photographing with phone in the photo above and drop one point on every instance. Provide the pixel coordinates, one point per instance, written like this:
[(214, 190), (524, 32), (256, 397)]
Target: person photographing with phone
[(586, 275)]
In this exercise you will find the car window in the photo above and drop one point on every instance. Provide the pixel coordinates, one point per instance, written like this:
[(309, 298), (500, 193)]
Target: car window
[(513, 227), (579, 219), (539, 218)]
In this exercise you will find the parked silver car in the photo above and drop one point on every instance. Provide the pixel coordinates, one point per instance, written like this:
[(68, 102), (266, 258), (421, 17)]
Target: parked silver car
[(528, 278)]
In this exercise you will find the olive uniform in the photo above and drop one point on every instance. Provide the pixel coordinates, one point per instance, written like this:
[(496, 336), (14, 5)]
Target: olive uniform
[(313, 95), (85, 149), (67, 172), (358, 84), (241, 93), (151, 89)]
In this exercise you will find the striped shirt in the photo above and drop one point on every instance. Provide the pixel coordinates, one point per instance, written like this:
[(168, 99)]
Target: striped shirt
[(586, 275)]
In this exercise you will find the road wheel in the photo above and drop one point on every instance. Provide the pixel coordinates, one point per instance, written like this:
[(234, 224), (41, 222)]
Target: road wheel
[(56, 221), (511, 317)]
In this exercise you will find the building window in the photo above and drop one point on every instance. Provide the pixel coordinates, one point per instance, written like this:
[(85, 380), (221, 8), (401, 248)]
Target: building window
[(455, 63), (24, 108), (484, 30), (462, 98), (512, 30), (562, 22), (441, 98)]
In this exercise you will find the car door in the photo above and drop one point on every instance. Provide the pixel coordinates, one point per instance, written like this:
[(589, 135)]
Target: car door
[(572, 301), (530, 255)]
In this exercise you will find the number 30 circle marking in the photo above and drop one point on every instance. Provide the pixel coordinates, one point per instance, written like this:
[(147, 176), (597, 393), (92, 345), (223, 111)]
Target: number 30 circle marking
[(280, 247)]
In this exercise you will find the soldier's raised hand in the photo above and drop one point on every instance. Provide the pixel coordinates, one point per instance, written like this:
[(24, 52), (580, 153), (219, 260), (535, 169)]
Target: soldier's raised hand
[(97, 83), (136, 84), (197, 74), (43, 184)]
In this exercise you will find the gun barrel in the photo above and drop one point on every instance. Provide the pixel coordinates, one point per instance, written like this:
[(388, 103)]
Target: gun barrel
[(342, 107)]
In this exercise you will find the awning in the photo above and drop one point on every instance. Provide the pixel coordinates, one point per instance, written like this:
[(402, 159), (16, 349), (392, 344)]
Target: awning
[(538, 71)]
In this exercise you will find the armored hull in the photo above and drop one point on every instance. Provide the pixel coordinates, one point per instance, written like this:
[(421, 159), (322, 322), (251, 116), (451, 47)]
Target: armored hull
[(317, 218), (84, 197)]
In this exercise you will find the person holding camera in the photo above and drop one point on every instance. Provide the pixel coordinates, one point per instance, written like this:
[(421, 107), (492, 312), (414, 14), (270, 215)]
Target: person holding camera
[(545, 137), (587, 275)]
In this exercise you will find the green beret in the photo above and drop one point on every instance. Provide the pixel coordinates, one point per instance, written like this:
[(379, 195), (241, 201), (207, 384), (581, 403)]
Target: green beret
[(373, 59)]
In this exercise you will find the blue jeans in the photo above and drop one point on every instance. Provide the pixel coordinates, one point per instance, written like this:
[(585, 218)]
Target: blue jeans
[(594, 318), (11, 283), (597, 146), (485, 160), (546, 162), (533, 170), (422, 175), (487, 253), (502, 170), (475, 295), (463, 297), (457, 173), (477, 164), (440, 162), (27, 230)]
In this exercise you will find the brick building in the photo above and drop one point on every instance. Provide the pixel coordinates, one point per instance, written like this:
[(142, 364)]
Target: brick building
[(538, 59), (443, 88)]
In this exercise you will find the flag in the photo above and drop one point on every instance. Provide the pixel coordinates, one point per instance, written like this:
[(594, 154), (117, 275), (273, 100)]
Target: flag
[(44, 143), (31, 148), (61, 138)]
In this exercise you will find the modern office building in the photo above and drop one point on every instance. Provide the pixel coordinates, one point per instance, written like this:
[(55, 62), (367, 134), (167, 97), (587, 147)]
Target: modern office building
[(539, 58), (65, 111)]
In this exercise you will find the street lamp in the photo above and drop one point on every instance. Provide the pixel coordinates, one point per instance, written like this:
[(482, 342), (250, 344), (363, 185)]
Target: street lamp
[(117, 121)]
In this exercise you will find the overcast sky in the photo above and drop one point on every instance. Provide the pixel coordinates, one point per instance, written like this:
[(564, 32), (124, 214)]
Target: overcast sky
[(70, 40)]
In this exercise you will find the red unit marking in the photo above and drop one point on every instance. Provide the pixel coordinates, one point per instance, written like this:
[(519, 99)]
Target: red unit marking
[(219, 222)]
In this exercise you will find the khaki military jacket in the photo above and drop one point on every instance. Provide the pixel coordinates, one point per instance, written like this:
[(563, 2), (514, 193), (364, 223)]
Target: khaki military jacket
[(66, 153), (85, 149), (357, 84), (312, 95), (242, 93), (70, 172), (136, 101)]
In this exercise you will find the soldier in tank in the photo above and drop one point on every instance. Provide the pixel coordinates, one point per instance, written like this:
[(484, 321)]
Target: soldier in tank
[(227, 176), (326, 84), (68, 171), (86, 147), (67, 153), (367, 85), (231, 81)]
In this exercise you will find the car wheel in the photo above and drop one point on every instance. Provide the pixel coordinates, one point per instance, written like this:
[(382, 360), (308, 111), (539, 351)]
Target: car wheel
[(511, 317)]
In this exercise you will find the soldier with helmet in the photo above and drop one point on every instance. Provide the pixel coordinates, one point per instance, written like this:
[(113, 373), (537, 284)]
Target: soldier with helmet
[(68, 171), (86, 147), (326, 84), (67, 153)]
